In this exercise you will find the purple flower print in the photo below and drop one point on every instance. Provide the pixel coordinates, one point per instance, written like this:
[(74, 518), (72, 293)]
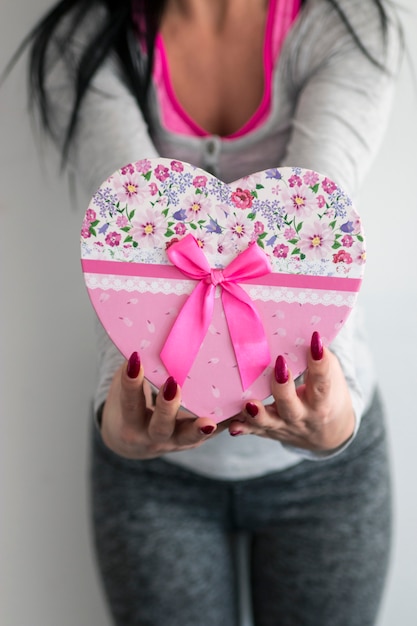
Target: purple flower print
[(180, 229), (161, 173), (200, 181), (180, 215), (328, 185), (347, 241), (213, 227), (342, 256), (177, 166), (273, 173), (347, 227), (311, 178), (113, 239), (103, 229), (143, 166), (280, 251), (316, 240)]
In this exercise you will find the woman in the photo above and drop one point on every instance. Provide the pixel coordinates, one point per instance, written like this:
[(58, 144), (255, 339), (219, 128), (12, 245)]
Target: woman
[(234, 87)]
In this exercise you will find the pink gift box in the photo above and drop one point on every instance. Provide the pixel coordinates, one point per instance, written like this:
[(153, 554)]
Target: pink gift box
[(211, 281)]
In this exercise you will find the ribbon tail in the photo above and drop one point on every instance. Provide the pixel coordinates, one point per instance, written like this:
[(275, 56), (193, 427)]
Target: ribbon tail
[(247, 334), (188, 331)]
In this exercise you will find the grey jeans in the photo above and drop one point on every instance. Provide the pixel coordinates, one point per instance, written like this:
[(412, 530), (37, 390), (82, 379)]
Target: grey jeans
[(318, 536)]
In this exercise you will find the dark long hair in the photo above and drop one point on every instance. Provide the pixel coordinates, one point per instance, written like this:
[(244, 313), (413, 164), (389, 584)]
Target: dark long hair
[(116, 33)]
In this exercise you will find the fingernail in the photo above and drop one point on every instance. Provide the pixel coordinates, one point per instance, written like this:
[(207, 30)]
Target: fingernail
[(252, 409), (235, 433), (316, 346), (281, 370), (133, 365), (170, 389), (207, 430)]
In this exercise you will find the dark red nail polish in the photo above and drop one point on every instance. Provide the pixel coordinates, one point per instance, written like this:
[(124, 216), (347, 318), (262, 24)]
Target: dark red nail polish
[(252, 409), (235, 433), (170, 389), (133, 365), (281, 370), (207, 430), (316, 346)]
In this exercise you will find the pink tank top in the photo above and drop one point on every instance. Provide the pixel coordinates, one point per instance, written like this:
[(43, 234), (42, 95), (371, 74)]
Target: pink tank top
[(281, 15)]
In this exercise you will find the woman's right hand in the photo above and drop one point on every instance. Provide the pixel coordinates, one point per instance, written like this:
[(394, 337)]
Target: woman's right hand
[(133, 429)]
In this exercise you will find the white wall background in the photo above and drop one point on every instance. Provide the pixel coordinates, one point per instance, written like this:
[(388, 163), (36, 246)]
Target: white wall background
[(47, 363)]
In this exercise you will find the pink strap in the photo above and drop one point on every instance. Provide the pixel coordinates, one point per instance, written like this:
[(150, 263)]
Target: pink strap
[(245, 326)]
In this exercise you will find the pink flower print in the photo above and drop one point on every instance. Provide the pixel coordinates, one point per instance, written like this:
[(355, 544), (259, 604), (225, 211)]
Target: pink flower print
[(259, 228), (224, 243), (153, 189), (347, 241), (161, 173), (197, 205), (180, 229), (239, 227), (321, 202), (342, 257), (143, 166), (281, 251), (85, 230), (242, 198), (90, 215), (177, 166), (328, 185), (299, 201), (295, 181), (252, 180), (358, 253), (131, 188), (316, 240), (170, 242), (310, 178), (200, 181), (290, 233), (122, 221), (205, 243), (113, 239), (149, 229), (127, 169)]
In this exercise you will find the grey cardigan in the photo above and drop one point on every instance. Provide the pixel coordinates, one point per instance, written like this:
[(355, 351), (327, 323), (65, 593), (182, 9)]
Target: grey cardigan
[(330, 107)]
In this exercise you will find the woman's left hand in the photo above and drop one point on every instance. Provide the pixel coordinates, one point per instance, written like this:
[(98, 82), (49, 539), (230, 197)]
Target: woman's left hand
[(317, 416)]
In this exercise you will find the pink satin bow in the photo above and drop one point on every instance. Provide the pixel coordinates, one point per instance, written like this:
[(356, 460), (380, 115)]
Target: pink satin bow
[(245, 326)]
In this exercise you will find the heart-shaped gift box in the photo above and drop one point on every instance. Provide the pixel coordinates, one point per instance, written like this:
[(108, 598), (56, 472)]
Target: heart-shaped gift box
[(211, 281)]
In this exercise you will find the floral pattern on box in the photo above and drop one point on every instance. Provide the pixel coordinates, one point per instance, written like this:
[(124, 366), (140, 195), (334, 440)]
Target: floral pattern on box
[(302, 221)]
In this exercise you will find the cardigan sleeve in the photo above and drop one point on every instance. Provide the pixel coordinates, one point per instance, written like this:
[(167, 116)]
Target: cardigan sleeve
[(343, 102)]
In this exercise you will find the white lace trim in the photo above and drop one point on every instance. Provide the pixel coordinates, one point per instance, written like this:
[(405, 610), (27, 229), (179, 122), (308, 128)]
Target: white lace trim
[(185, 287)]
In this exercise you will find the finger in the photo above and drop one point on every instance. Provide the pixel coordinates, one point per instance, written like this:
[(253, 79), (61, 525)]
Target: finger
[(163, 421), (318, 375), (288, 405), (132, 397)]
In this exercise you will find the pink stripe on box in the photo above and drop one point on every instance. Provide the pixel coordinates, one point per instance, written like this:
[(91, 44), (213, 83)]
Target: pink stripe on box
[(149, 270)]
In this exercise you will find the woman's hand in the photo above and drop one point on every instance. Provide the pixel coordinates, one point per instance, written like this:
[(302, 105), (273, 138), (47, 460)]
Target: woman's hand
[(316, 416), (133, 429)]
